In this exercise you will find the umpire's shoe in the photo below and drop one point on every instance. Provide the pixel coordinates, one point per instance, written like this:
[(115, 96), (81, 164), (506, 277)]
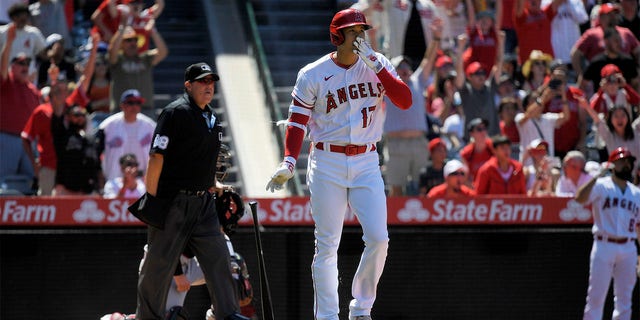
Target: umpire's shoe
[(236, 316)]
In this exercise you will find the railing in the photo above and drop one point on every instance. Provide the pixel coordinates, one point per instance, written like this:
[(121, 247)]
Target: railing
[(270, 92)]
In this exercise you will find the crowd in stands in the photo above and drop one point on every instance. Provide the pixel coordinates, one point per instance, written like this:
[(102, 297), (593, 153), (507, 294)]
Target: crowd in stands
[(76, 95), (527, 96), (519, 96)]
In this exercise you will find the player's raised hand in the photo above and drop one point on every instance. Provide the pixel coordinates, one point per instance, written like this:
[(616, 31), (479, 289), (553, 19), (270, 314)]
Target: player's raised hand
[(365, 52), (281, 176)]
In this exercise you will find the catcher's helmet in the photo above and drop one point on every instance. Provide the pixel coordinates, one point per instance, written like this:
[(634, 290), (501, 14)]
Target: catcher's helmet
[(343, 19), (621, 153)]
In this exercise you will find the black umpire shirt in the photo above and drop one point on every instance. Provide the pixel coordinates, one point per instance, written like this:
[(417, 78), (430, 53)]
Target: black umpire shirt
[(189, 140)]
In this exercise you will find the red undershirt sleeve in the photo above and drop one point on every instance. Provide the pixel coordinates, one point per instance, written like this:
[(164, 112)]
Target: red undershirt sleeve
[(397, 91), (294, 135)]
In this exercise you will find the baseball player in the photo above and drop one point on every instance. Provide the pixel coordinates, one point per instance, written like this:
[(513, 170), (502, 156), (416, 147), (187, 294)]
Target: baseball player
[(615, 203), (338, 97)]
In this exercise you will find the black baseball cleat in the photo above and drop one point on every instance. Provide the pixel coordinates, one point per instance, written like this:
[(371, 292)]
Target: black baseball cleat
[(236, 316)]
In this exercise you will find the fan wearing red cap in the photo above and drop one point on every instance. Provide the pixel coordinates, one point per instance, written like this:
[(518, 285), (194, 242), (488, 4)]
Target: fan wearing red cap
[(477, 88), (432, 175), (615, 204), (613, 61), (614, 89), (592, 44)]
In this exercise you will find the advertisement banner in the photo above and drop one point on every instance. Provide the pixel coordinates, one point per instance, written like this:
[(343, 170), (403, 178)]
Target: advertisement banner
[(296, 211)]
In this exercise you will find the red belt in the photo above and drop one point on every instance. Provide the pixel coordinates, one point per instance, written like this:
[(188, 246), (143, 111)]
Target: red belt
[(349, 150), (614, 240)]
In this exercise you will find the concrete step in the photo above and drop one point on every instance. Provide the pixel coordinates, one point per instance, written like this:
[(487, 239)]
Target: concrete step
[(286, 32), (294, 5), (287, 47), (293, 18)]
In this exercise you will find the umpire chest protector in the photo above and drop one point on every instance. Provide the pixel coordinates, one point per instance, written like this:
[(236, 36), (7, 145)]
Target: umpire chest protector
[(189, 139)]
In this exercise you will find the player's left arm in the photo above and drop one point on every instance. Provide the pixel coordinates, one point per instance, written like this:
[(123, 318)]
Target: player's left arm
[(397, 91)]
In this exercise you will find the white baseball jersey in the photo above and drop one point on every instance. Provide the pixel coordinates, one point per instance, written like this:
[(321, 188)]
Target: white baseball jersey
[(614, 214), (344, 103)]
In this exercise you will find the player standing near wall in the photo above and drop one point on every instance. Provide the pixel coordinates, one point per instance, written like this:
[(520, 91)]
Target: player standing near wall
[(338, 97), (615, 203)]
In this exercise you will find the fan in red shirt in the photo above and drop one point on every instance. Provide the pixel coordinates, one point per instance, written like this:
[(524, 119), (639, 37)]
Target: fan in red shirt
[(533, 28), (501, 174), (479, 149), (454, 182), (483, 41)]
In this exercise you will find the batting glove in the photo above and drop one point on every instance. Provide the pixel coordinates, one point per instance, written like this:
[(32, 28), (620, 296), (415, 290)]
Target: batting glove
[(282, 174), (364, 51)]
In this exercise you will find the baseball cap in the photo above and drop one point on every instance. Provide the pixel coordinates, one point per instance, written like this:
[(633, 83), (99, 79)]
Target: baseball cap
[(21, 56), (434, 143), (474, 68), (131, 95), (621, 153), (443, 60), (537, 143), (453, 166), (608, 8), (476, 122), (198, 71), (609, 70), (53, 38), (396, 61)]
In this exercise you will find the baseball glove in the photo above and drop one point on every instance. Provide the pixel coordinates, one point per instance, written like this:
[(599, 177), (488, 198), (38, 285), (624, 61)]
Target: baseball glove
[(230, 208)]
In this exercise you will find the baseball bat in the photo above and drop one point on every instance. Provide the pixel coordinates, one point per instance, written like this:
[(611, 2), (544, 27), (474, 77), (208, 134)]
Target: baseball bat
[(265, 293)]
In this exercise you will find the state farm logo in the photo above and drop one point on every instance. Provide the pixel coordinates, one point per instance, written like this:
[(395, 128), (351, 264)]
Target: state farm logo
[(413, 210), (88, 211), (574, 211)]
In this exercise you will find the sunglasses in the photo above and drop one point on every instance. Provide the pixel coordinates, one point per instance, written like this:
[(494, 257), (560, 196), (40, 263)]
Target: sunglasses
[(479, 129), (205, 80), (78, 115), (457, 173), (133, 103), (539, 63), (130, 40), (23, 62)]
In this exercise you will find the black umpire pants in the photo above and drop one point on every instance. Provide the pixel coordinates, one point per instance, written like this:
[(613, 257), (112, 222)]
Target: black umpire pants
[(191, 223)]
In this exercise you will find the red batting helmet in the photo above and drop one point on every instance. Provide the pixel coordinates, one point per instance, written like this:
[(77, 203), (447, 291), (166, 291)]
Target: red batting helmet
[(343, 19), (621, 153)]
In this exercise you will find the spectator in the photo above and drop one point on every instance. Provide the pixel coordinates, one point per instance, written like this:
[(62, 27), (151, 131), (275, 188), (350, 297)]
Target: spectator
[(442, 105), (507, 110), (534, 123), (592, 43), (452, 13), (107, 17), (573, 175), (18, 98), (128, 184), (453, 130), (569, 135), (55, 54), (99, 87), (618, 129), (630, 17), (538, 175), (130, 69), (444, 70), (505, 10), (454, 185), (4, 7), (507, 89), (476, 90), (49, 17), (432, 175), (483, 40), (611, 55), (533, 28), (511, 68), (78, 162), (536, 70), (501, 174), (126, 132), (566, 16), (26, 39), (614, 91), (479, 149), (408, 31), (141, 20)]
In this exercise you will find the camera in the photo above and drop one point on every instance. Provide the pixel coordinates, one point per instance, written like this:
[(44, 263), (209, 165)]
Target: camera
[(613, 79), (555, 84)]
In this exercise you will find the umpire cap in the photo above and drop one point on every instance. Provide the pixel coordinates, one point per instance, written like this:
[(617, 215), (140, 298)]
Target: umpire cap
[(198, 71)]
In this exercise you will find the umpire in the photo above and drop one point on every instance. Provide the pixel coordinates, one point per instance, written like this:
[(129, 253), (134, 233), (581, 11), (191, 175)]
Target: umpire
[(182, 168)]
